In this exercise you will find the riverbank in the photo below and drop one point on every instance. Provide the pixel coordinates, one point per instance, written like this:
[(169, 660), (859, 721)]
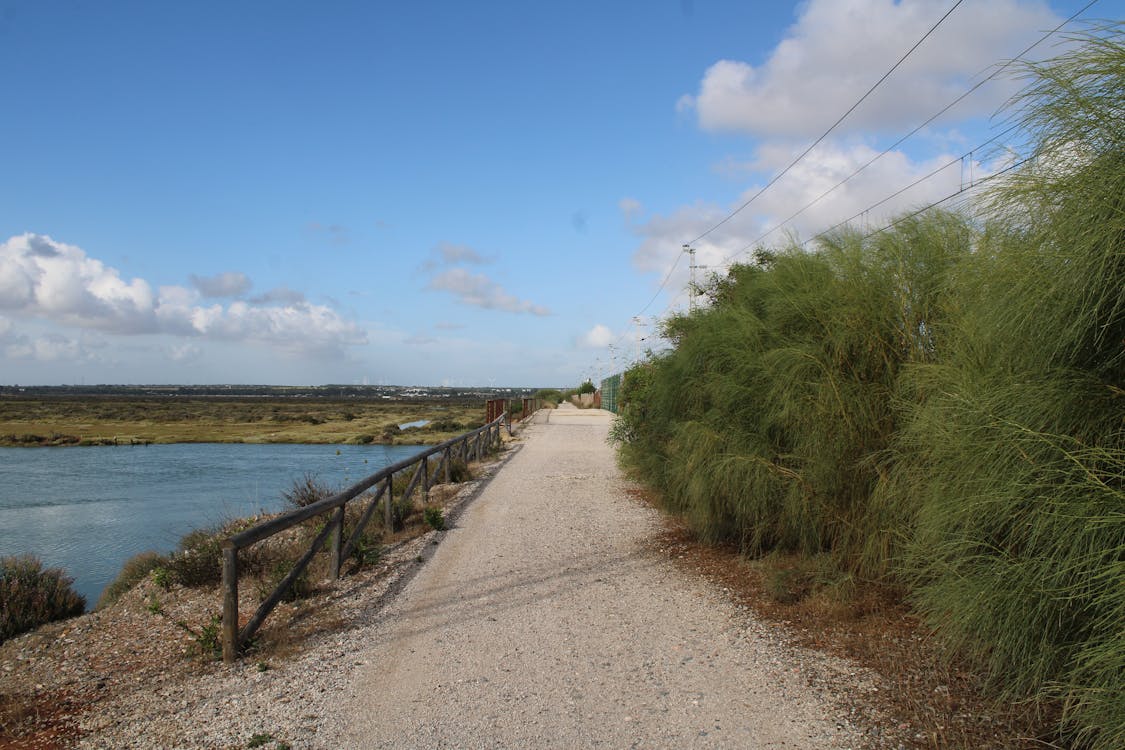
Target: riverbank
[(92, 420), (101, 679)]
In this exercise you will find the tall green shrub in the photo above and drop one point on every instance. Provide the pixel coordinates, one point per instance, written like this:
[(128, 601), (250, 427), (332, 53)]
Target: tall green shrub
[(1016, 447), (767, 424), (941, 404)]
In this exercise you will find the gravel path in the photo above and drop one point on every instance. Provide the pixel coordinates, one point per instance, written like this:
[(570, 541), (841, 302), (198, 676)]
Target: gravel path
[(542, 620)]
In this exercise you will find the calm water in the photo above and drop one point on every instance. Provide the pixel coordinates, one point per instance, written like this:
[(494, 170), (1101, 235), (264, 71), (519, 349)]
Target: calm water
[(88, 510)]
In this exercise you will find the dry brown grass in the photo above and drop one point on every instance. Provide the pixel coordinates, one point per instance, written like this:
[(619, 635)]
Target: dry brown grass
[(221, 420), (930, 704)]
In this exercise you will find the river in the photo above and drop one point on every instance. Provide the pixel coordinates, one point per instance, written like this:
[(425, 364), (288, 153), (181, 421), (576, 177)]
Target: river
[(87, 510)]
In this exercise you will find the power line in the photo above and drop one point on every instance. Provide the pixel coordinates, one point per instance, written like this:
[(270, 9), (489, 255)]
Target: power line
[(935, 204), (805, 153), (727, 261), (825, 134)]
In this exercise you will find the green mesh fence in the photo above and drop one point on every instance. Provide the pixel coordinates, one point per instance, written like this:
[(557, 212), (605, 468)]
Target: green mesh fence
[(610, 388)]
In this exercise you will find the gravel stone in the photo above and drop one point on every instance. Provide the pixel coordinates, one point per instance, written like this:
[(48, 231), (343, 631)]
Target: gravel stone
[(541, 620)]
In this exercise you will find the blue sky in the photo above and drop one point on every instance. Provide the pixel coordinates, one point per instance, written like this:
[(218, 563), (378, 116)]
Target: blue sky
[(445, 192)]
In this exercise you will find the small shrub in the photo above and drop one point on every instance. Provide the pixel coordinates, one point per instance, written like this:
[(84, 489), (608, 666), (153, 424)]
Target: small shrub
[(199, 562), (401, 509), (31, 596), (367, 550), (789, 585), (209, 638), (434, 517), (459, 472), (260, 739), (135, 569), (364, 439), (162, 577), (300, 589), (306, 490), (445, 425)]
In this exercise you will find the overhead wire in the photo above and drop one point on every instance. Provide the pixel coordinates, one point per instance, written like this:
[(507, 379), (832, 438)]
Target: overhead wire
[(897, 143), (913, 132), (825, 134), (836, 124)]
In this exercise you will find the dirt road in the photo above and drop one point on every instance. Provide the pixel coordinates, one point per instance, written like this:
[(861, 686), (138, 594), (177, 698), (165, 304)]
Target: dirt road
[(543, 620)]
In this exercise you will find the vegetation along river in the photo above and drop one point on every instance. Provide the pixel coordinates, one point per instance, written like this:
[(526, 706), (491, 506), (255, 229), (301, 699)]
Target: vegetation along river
[(88, 510)]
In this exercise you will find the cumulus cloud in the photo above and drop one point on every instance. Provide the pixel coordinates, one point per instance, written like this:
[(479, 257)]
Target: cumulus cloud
[(282, 295), (42, 278), (446, 270), (598, 337), (228, 284), (837, 50), (477, 290), (662, 236), (58, 281)]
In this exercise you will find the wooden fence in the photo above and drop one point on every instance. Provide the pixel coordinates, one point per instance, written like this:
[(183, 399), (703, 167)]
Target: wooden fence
[(470, 446)]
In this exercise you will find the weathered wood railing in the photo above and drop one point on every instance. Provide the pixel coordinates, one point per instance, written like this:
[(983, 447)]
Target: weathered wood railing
[(468, 447)]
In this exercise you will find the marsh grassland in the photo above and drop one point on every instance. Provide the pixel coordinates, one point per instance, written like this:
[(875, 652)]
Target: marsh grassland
[(125, 420)]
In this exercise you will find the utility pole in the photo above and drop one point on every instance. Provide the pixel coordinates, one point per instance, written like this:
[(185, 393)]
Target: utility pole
[(693, 288), (691, 284)]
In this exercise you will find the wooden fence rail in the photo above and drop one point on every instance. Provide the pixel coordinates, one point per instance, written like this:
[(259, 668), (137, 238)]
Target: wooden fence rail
[(467, 447)]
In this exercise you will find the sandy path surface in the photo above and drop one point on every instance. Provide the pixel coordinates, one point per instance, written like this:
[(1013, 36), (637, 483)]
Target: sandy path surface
[(543, 621)]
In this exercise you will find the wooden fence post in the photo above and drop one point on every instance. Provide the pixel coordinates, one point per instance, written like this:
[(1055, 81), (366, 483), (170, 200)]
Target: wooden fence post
[(446, 462), (388, 500), (334, 548), (230, 603)]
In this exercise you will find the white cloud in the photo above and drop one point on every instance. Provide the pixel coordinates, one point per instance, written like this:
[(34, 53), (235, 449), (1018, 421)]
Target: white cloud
[(228, 284), (184, 353), (282, 295), (478, 290), (449, 253), (598, 337), (630, 208), (58, 281), (42, 278), (48, 347), (838, 48), (663, 235)]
